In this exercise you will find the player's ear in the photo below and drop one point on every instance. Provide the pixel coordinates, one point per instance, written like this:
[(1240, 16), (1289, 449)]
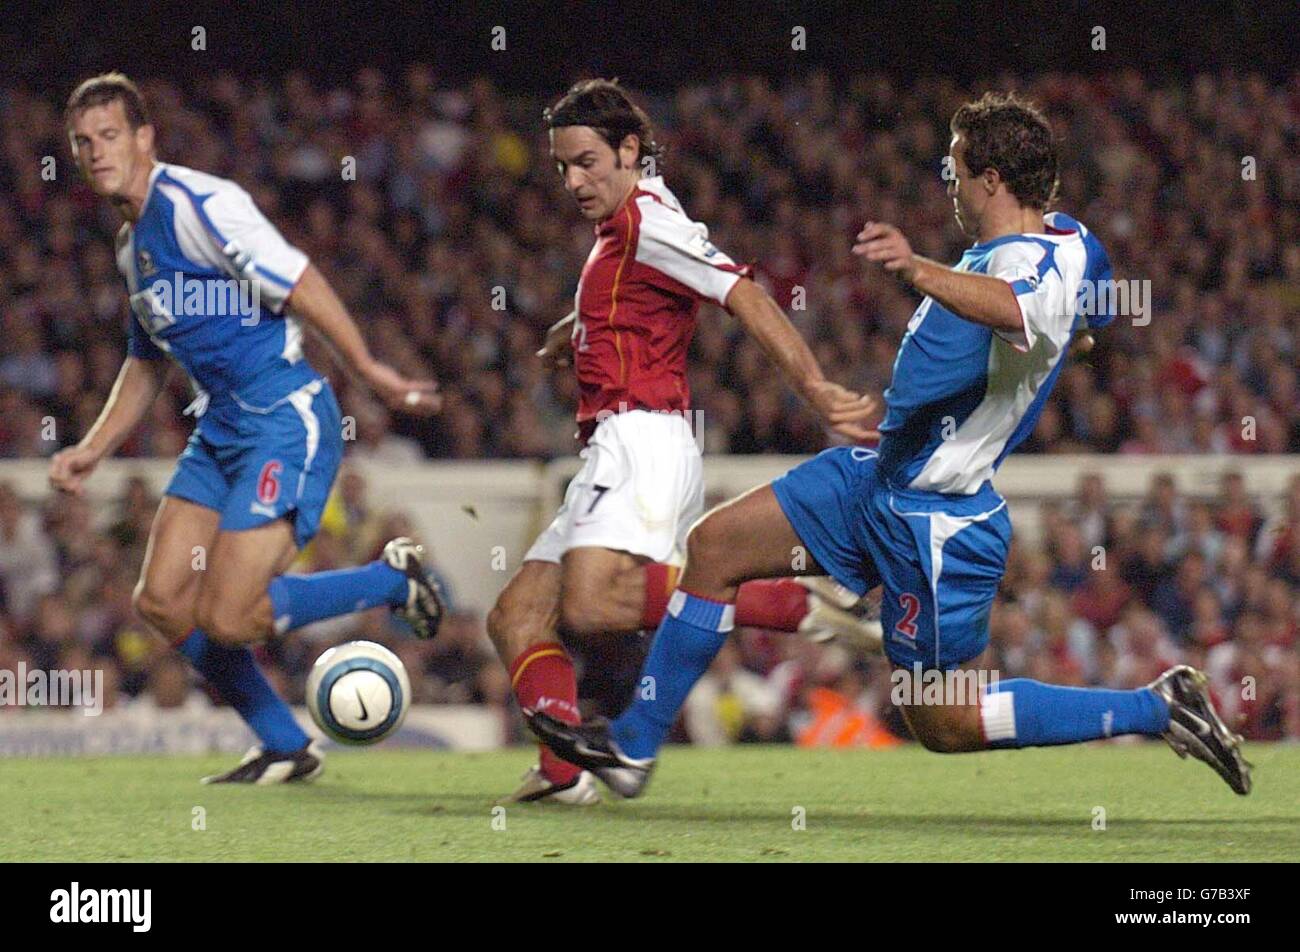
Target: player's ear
[(144, 138), (629, 150), (992, 178)]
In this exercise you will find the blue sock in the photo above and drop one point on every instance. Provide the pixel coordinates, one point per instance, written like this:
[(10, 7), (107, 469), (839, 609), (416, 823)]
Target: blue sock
[(690, 636), (1025, 713), (298, 600), (235, 675)]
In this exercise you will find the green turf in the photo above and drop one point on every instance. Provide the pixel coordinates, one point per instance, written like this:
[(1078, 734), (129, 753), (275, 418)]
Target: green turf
[(732, 804)]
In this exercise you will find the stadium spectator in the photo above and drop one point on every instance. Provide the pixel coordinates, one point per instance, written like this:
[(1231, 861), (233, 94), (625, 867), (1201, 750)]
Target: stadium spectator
[(731, 703), (27, 566)]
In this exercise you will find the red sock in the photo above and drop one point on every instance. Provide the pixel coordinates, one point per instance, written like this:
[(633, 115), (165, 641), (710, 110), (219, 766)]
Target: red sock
[(776, 603), (660, 580), (543, 680)]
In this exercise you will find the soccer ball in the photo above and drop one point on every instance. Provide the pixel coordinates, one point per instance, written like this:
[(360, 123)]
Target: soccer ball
[(358, 693)]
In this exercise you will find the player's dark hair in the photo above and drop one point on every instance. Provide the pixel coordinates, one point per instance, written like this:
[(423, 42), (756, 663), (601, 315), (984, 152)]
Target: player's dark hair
[(106, 88), (1011, 135), (606, 107)]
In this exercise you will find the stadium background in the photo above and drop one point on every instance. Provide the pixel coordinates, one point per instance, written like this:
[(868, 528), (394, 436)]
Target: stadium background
[(783, 153)]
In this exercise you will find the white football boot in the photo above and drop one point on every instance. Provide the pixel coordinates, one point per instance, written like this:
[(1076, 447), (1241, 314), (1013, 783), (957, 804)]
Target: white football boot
[(579, 792)]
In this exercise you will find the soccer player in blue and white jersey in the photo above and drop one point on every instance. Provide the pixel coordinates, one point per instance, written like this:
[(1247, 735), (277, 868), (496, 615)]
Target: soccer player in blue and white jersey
[(920, 516), (214, 286)]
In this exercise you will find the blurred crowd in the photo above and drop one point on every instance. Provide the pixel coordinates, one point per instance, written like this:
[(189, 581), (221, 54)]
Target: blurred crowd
[(441, 220), (1116, 593)]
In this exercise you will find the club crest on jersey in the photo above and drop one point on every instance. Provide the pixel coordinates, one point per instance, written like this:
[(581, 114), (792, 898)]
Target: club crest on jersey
[(144, 262), (707, 248)]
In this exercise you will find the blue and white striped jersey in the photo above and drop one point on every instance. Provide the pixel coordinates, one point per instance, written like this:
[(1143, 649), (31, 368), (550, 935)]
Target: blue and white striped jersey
[(964, 396), (208, 277)]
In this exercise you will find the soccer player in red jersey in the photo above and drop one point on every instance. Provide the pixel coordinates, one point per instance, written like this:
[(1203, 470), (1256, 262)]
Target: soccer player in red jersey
[(601, 568)]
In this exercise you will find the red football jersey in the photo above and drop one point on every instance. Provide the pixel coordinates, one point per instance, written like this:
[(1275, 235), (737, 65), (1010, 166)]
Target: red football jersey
[(637, 298)]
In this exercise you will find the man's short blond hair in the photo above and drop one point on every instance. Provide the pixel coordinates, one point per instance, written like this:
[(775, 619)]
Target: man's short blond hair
[(103, 89)]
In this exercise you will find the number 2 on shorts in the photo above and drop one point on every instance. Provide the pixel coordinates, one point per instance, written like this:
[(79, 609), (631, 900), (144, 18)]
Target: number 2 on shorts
[(911, 608)]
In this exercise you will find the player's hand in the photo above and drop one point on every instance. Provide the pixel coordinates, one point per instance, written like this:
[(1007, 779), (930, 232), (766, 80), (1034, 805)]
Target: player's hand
[(558, 346), (885, 244), (416, 397), (847, 412), (69, 468)]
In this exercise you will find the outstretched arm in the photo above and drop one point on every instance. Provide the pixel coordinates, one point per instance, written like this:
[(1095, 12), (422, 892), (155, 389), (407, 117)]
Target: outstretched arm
[(976, 297), (763, 318), (314, 300), (137, 386)]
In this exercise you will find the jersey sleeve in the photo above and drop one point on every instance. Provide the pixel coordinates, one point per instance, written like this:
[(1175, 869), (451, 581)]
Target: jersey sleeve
[(1040, 290), (678, 248), (138, 342), (1099, 274), (250, 246)]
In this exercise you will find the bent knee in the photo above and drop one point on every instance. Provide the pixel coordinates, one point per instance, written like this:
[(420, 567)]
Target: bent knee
[(496, 622), (514, 624), (224, 625), (712, 556), (171, 617), (581, 613), (707, 539), (502, 624)]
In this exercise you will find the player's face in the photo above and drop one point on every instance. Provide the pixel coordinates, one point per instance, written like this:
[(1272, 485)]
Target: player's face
[(598, 177), (966, 190), (110, 154)]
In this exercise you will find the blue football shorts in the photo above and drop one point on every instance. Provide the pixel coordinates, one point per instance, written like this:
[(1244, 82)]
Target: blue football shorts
[(256, 464), (939, 557)]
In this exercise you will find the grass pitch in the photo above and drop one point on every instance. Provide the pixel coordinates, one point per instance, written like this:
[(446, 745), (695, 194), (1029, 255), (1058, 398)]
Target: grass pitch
[(736, 804)]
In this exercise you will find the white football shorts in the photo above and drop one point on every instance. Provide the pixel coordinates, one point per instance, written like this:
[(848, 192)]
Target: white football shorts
[(640, 489)]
